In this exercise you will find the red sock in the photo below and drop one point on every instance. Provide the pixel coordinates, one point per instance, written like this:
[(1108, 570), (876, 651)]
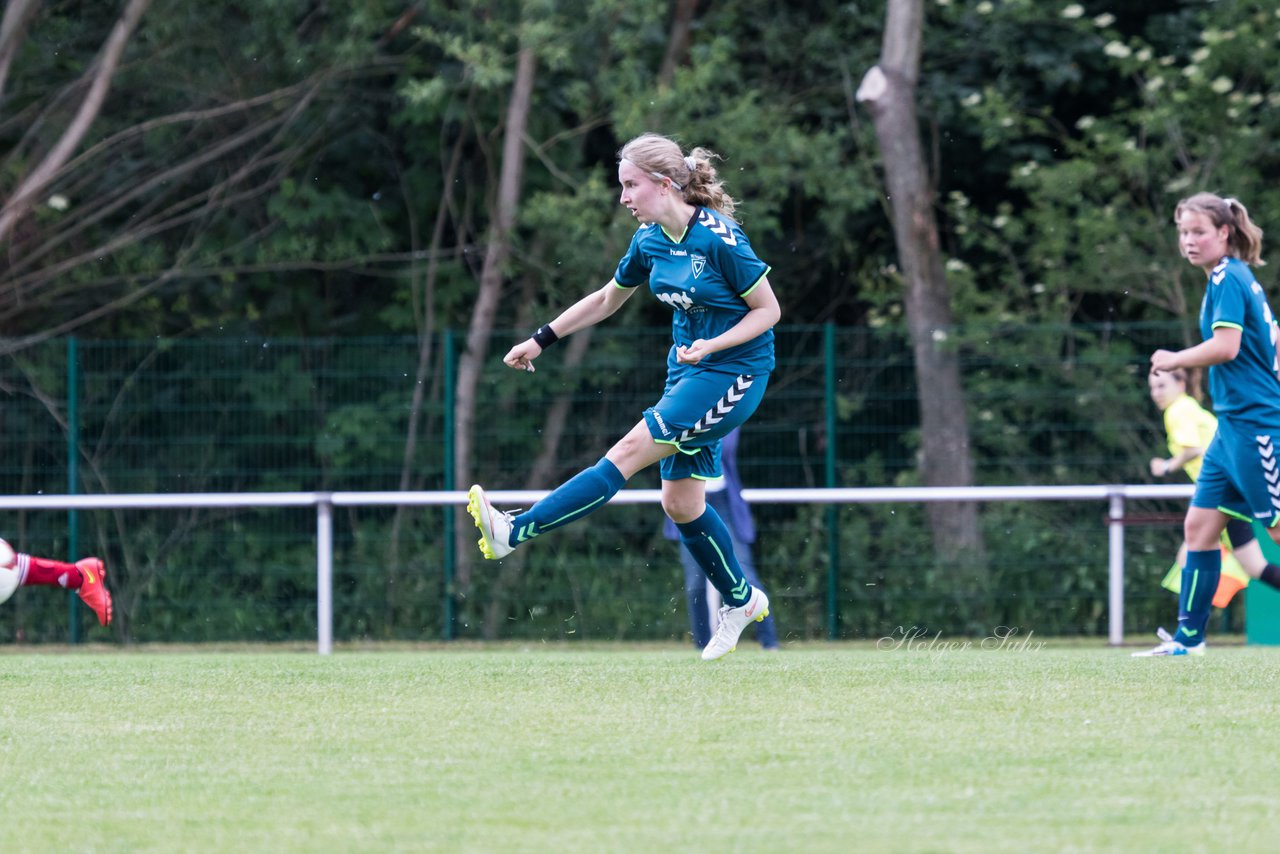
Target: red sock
[(41, 570)]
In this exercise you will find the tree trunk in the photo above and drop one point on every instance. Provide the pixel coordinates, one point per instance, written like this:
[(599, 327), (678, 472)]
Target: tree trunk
[(471, 362), (677, 41), (17, 14), (99, 80), (426, 346), (539, 477), (889, 92)]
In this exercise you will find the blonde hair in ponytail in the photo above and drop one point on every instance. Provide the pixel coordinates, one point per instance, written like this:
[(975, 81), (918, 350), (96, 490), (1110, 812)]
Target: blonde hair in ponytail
[(693, 175)]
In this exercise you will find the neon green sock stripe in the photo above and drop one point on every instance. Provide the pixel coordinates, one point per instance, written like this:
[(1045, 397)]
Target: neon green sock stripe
[(1191, 594), (574, 513), (739, 585), (723, 562)]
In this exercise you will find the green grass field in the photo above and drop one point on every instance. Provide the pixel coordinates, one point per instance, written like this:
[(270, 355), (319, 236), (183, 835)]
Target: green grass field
[(600, 748)]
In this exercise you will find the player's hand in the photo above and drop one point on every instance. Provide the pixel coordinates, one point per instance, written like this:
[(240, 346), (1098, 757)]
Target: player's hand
[(693, 354), (522, 355), (1159, 468), (1164, 360)]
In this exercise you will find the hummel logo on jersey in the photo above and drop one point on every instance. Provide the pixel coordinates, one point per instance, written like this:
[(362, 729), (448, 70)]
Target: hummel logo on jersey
[(1219, 272), (699, 264), (718, 228), (679, 253)]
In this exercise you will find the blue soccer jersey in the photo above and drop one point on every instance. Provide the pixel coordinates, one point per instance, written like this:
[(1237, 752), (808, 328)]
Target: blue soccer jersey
[(703, 275), (1247, 387)]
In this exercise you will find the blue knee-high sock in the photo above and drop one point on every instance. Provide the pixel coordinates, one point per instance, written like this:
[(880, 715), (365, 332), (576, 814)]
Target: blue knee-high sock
[(1199, 583), (588, 490), (708, 540)]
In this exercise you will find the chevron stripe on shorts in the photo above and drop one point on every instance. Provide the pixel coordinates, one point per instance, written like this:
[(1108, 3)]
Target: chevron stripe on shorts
[(1270, 470), (722, 407)]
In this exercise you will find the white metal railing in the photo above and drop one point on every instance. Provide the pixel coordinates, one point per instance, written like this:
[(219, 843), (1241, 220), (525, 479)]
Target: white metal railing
[(1114, 494)]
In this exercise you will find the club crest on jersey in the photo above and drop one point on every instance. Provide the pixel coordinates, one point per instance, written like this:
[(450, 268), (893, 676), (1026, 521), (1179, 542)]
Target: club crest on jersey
[(699, 264)]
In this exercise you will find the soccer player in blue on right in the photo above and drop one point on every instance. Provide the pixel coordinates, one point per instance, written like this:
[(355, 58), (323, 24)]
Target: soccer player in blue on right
[(1240, 475), (695, 258)]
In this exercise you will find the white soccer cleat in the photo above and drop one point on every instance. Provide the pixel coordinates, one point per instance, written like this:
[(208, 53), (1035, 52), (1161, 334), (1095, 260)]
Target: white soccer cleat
[(1169, 646), (495, 526), (733, 621)]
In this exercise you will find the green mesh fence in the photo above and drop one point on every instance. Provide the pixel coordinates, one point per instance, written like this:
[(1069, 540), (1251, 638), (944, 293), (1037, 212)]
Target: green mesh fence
[(1047, 405)]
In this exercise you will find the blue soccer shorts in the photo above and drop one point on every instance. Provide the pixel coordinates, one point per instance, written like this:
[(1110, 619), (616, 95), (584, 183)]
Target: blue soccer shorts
[(695, 412), (1240, 475)]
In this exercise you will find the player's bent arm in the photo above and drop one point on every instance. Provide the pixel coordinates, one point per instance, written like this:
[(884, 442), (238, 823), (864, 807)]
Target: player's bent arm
[(589, 310), (762, 315), (1222, 347)]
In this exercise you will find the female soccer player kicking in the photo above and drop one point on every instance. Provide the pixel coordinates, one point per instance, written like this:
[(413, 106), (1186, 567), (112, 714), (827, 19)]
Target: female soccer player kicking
[(697, 260)]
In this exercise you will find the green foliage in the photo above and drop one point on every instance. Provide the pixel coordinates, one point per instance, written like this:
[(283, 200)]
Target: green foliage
[(1089, 170), (1061, 138)]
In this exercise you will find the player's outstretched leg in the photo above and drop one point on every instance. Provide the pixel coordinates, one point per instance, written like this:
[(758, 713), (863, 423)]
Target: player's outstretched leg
[(733, 621), (86, 576), (584, 493)]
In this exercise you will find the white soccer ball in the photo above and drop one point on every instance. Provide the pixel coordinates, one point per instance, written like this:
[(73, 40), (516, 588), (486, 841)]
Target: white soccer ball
[(9, 575)]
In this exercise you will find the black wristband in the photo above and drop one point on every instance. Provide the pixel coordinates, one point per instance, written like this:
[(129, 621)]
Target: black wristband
[(545, 336)]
